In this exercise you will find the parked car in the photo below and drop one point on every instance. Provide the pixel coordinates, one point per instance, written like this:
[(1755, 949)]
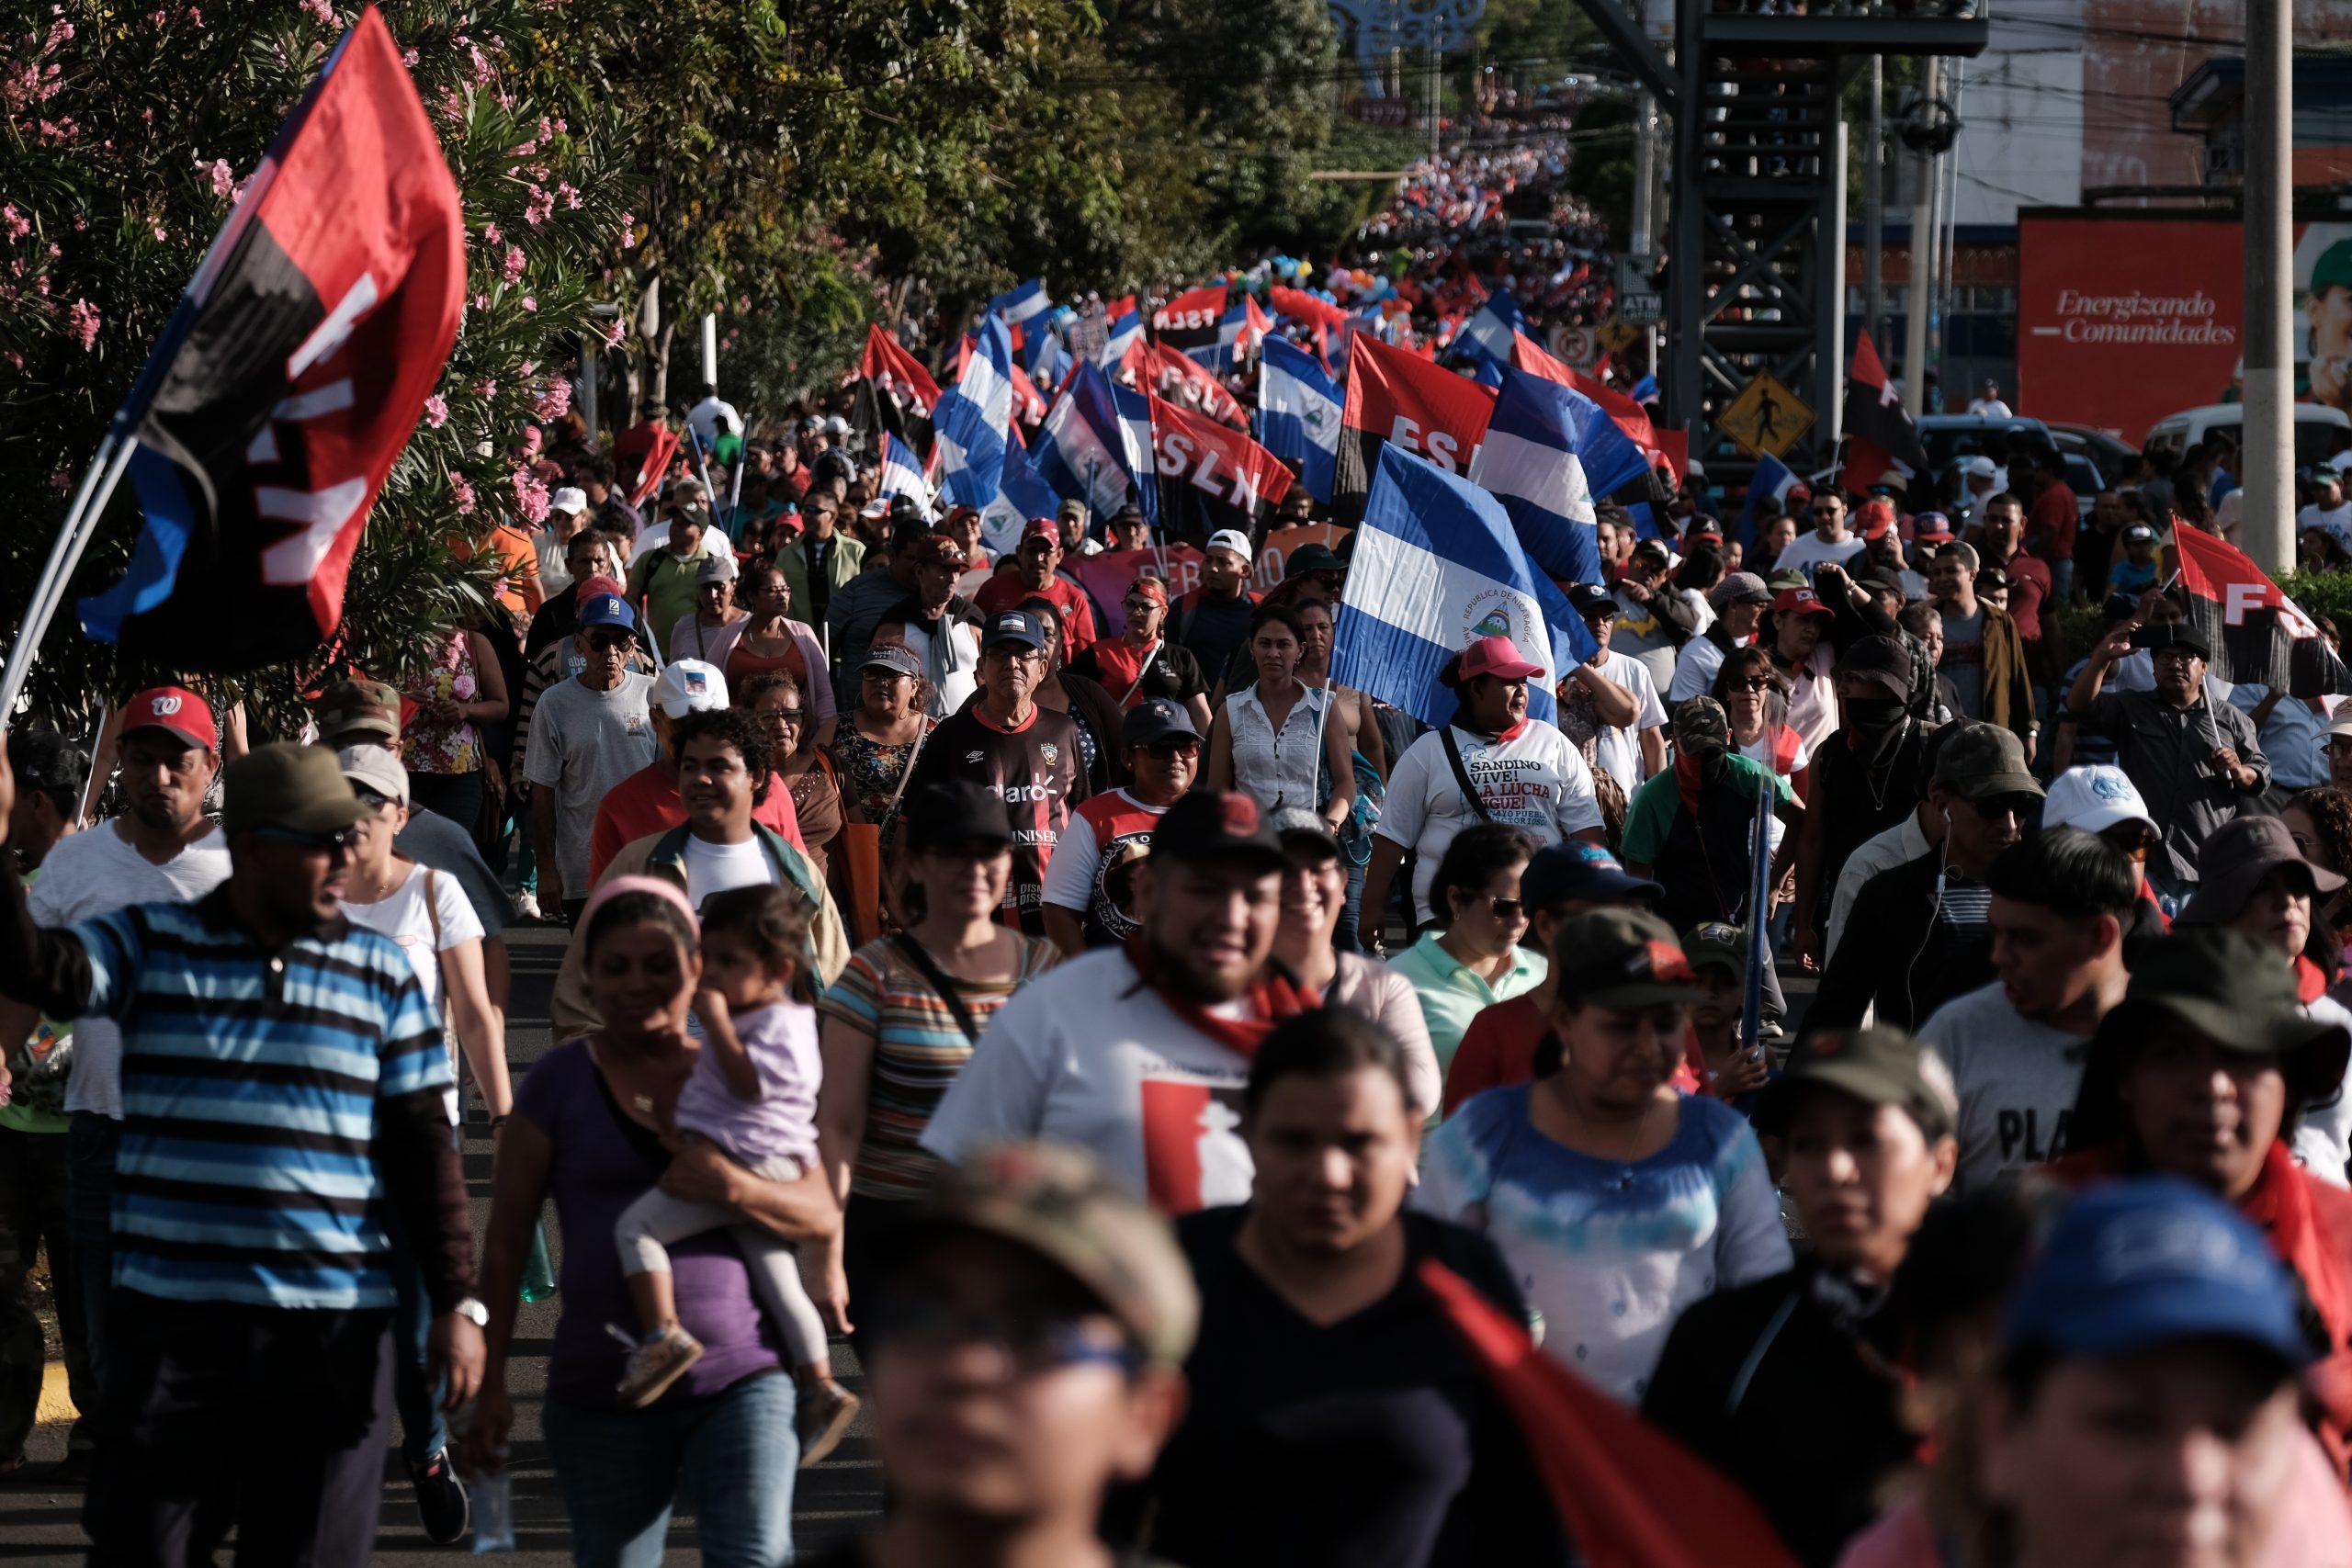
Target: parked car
[(2109, 452), (1948, 437), (2315, 428)]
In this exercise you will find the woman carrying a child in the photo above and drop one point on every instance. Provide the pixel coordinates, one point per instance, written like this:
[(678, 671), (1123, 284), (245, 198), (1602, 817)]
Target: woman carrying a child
[(599, 1122)]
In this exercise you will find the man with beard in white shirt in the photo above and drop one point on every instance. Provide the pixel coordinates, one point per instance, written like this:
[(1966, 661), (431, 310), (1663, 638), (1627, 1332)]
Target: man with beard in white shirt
[(1140, 1054), (161, 851)]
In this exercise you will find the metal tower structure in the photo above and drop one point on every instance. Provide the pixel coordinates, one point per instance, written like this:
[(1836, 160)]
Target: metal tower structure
[(1757, 244)]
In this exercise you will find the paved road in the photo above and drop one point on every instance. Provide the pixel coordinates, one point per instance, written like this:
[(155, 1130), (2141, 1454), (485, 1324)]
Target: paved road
[(40, 1524)]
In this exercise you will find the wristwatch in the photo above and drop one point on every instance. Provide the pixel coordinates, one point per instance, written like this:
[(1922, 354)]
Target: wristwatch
[(473, 1311)]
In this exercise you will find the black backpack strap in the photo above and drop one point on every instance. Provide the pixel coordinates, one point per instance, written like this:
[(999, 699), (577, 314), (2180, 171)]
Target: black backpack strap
[(1462, 774)]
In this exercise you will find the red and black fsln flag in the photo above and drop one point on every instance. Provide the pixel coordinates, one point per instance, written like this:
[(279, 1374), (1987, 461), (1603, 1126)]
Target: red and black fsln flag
[(291, 376), (1882, 443)]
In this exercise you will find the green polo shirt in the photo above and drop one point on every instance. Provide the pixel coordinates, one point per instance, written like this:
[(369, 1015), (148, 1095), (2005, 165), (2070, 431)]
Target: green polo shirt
[(664, 585), (1451, 996)]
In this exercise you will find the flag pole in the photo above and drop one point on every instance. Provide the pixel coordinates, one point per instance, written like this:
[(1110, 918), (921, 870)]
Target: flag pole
[(81, 521), (1759, 898), (90, 784)]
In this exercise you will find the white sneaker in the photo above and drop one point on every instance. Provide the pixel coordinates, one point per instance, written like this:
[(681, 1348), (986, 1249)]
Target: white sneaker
[(657, 1364), (528, 903)]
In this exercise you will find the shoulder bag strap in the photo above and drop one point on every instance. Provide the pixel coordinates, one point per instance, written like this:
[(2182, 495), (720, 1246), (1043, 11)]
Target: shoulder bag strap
[(433, 911), (1462, 774), (913, 951)]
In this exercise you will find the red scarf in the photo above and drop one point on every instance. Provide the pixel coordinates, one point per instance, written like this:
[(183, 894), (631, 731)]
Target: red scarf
[(1688, 781), (2310, 981), (1273, 998)]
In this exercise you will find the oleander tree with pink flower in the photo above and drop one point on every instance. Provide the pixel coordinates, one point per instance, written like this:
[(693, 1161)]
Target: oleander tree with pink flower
[(129, 132)]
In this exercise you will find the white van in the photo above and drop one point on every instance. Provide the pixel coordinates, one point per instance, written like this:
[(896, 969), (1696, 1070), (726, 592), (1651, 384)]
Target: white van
[(2315, 428)]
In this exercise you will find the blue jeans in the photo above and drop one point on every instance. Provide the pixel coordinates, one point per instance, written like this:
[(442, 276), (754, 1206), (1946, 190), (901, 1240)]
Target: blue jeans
[(1344, 939), (732, 1457), (89, 1215), (2062, 581), (423, 1432)]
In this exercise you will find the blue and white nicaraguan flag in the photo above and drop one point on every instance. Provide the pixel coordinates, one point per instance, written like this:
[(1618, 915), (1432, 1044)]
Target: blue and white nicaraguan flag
[(1531, 462), (1021, 304), (969, 424), (1773, 478), (1084, 450), (1438, 565), (902, 473), (1298, 413)]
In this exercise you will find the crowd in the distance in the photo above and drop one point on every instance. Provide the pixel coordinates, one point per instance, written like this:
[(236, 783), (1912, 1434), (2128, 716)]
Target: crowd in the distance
[(1101, 1016)]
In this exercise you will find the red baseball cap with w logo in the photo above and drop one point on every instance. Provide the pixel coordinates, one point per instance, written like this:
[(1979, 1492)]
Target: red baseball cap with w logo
[(174, 710)]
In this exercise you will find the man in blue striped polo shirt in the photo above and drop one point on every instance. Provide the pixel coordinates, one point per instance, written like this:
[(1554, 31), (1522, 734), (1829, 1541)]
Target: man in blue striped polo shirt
[(282, 1082)]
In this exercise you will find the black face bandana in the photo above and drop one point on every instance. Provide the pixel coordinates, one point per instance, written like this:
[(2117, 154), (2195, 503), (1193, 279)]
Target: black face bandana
[(1874, 727)]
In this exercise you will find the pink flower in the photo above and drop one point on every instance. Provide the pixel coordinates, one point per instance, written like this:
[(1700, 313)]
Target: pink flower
[(464, 493), (529, 303), (82, 320), (527, 367), (485, 388), (540, 207), (161, 233), (17, 223), (224, 178), (531, 441), (491, 234), (320, 11), (555, 401), (436, 411), (408, 58), (194, 16), (481, 301), (570, 195), (629, 231), (510, 271), (530, 495), (618, 331), (60, 480)]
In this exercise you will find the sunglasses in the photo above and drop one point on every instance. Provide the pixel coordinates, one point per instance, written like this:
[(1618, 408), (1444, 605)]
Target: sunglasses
[(1755, 683), (1506, 909), (2023, 807), (313, 843), (611, 642), (782, 717), (372, 799), (1174, 747)]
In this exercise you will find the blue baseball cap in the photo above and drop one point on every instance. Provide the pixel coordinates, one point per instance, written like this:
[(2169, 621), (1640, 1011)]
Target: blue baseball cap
[(2148, 1262), (1575, 869), (608, 610), (1014, 626)]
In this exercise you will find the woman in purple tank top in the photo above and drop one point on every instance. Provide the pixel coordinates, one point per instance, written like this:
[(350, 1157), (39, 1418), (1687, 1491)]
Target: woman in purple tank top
[(587, 1131)]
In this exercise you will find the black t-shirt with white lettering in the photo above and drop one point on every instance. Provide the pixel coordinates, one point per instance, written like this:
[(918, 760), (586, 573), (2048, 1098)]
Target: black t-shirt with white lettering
[(1037, 771)]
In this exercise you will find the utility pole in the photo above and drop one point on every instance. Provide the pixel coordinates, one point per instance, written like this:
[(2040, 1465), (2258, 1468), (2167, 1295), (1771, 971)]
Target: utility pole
[(1874, 207), (2268, 463), (1642, 239), (1923, 261), (711, 350), (1437, 68)]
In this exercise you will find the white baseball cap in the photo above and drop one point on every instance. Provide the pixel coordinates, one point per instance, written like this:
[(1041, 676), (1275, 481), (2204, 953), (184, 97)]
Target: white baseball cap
[(2094, 798), (569, 500), (688, 685), (1979, 467), (1233, 539)]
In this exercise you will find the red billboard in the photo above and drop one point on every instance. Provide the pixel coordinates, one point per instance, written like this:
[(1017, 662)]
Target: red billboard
[(2126, 317)]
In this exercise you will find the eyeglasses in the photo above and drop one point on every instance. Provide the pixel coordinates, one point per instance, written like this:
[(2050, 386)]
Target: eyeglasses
[(611, 642), (784, 718), (1173, 747), (1033, 1342), (313, 843)]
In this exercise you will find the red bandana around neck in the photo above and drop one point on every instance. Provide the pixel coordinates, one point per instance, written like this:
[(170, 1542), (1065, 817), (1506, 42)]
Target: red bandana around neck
[(1273, 998)]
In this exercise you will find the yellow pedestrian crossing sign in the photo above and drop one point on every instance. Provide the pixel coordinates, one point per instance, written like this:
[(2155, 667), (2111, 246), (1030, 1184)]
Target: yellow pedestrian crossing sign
[(1616, 336), (1766, 417)]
